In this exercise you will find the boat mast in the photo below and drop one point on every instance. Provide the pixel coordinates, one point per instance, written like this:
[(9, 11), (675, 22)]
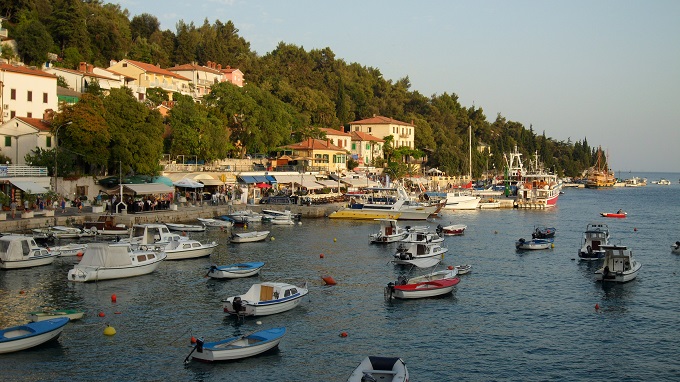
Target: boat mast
[(470, 149)]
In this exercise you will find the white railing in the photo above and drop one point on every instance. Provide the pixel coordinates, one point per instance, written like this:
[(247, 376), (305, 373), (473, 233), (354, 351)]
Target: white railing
[(11, 170)]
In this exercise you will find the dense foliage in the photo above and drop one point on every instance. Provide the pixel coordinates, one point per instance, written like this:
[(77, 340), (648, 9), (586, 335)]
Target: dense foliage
[(290, 94)]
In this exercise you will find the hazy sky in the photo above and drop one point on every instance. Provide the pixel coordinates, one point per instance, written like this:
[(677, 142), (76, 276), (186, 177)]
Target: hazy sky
[(605, 70)]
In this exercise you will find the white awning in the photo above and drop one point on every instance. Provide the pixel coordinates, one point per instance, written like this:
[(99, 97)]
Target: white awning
[(211, 182), (28, 186), (359, 182), (147, 188)]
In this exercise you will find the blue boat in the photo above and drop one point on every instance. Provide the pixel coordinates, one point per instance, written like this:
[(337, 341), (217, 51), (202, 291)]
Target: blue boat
[(522, 244), (238, 347), (32, 334), (234, 271)]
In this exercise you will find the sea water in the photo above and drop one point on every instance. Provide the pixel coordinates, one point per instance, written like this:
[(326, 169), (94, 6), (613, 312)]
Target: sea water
[(516, 316)]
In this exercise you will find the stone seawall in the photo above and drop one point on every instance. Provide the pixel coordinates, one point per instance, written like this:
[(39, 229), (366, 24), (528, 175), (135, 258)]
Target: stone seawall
[(184, 214)]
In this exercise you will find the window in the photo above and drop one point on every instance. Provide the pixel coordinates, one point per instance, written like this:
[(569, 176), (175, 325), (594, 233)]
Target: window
[(29, 96), (370, 129), (48, 142), (8, 141), (29, 114), (44, 97), (13, 94), (354, 146), (125, 64), (12, 114), (368, 146)]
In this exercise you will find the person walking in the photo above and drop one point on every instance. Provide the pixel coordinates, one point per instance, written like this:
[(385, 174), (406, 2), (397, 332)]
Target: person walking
[(63, 205), (13, 208)]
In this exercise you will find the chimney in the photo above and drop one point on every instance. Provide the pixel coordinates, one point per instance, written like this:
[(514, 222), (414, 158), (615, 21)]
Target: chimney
[(90, 68), (82, 67), (328, 142), (112, 62), (219, 66), (214, 65), (207, 64), (48, 114)]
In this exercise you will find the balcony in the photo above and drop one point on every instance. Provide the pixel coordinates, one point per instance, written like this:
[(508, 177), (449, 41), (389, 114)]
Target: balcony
[(404, 136)]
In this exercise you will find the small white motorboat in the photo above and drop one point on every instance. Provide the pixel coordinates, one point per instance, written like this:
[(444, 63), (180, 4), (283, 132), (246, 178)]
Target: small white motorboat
[(463, 269), (389, 232), (423, 236), (619, 265), (63, 232), (281, 220), (185, 227), (675, 248), (18, 251), (216, 223), (103, 261), (106, 225), (453, 229), (412, 251), (182, 249), (238, 347), (595, 236), (374, 368), (30, 335), (234, 271), (429, 285), (48, 314), (265, 299), (248, 237), (245, 216), (72, 249), (533, 244)]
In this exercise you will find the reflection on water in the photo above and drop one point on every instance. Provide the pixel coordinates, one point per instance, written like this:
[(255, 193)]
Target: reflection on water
[(528, 316)]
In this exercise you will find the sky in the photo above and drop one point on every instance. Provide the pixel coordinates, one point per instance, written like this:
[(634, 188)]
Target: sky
[(607, 70)]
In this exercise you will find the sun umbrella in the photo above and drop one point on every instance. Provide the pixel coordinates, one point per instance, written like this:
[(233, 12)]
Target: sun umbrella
[(263, 185), (188, 183)]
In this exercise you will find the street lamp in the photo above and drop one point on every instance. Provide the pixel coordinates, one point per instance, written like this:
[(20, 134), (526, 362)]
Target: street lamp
[(56, 146)]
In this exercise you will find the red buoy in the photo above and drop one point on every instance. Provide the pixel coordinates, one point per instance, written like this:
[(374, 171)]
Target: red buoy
[(597, 306), (193, 340), (321, 256), (343, 334), (635, 229), (450, 267), (79, 254), (101, 314), (328, 280), (113, 298)]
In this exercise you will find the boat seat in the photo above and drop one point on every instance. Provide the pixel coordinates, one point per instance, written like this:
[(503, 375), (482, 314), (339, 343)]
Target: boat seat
[(392, 372)]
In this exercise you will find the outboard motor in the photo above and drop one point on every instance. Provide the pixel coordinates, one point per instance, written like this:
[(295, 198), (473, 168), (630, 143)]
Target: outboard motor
[(237, 304), (199, 345), (368, 378), (440, 229)]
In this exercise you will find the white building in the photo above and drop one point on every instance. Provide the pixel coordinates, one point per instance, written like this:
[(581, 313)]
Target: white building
[(403, 133), (26, 92), (20, 135), (80, 79)]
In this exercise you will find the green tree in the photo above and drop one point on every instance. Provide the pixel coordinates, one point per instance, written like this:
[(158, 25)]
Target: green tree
[(34, 41)]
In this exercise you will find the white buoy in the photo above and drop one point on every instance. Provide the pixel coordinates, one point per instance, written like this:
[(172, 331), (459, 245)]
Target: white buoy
[(259, 322)]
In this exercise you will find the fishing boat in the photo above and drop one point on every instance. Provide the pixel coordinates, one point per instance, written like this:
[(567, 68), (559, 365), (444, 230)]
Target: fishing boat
[(18, 251), (544, 232), (238, 347), (454, 229), (185, 227), (423, 235), (216, 223), (620, 214), (265, 299), (463, 269), (411, 251), (103, 261), (429, 285), (48, 314), (385, 203), (537, 188), (533, 244), (619, 265), (31, 334), (248, 237), (235, 271), (675, 248), (389, 232), (600, 176), (71, 249), (594, 237), (182, 249), (106, 225), (373, 368)]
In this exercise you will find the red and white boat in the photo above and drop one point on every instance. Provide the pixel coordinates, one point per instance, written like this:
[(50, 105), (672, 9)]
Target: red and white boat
[(620, 214), (429, 285), (452, 230), (538, 188)]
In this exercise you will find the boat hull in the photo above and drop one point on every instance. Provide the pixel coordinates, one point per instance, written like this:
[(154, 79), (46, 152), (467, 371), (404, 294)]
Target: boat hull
[(50, 314), (87, 274), (619, 277), (238, 348), (380, 369), (28, 263), (235, 271), (246, 238), (193, 253), (613, 215), (185, 227), (30, 335), (536, 244)]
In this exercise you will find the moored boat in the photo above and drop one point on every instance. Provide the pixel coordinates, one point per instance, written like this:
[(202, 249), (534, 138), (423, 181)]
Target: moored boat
[(18, 251), (675, 248), (239, 347), (71, 249), (234, 271), (265, 299), (48, 314), (544, 232), (537, 188), (216, 222), (63, 232), (453, 229), (185, 227), (600, 176), (619, 265), (620, 214), (30, 335), (389, 232), (103, 261), (374, 368), (413, 251), (385, 203), (429, 285), (533, 244), (248, 237), (106, 225), (186, 249), (595, 236)]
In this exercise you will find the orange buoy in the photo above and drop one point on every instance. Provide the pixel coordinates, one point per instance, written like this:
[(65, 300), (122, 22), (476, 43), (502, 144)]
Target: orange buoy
[(113, 298), (184, 233), (79, 254), (450, 267), (635, 229), (193, 340), (101, 314), (328, 280), (343, 334), (117, 313), (597, 306), (21, 292), (321, 256)]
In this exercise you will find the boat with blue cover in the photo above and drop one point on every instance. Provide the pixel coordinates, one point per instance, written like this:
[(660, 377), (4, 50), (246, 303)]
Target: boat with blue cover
[(234, 271), (238, 347), (533, 244), (30, 335)]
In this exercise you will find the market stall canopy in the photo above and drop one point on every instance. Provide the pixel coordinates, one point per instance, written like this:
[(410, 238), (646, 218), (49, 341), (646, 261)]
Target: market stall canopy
[(28, 186), (359, 182), (263, 185), (435, 171), (188, 183), (162, 179), (145, 189)]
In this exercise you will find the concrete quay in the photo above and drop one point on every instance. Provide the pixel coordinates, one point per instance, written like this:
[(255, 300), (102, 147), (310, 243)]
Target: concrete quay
[(183, 214)]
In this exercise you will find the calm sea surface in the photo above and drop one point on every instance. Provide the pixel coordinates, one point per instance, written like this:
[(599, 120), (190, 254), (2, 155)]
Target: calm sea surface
[(517, 316)]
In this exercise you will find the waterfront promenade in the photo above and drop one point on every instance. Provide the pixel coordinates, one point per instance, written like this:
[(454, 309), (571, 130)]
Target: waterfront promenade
[(184, 213)]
